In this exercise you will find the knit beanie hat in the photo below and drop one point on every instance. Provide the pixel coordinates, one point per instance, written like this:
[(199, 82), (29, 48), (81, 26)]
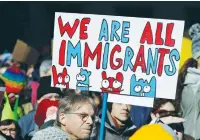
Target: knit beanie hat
[(14, 80), (5, 57), (153, 132), (46, 108), (194, 33), (45, 87)]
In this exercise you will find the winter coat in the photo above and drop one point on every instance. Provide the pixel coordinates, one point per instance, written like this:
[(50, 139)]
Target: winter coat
[(113, 133), (27, 123), (190, 103), (51, 133)]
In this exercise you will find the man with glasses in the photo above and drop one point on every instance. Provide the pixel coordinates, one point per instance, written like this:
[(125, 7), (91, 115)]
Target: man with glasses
[(75, 119)]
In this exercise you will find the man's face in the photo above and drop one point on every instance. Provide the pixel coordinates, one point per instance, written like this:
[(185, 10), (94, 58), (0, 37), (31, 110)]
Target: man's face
[(9, 130), (80, 122), (121, 112), (11, 97)]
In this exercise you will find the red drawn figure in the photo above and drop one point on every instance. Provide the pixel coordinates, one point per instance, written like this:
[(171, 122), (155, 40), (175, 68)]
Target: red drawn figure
[(60, 79), (111, 84)]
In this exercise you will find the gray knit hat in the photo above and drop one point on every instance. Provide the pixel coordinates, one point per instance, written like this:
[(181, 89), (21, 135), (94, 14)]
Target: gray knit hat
[(194, 33)]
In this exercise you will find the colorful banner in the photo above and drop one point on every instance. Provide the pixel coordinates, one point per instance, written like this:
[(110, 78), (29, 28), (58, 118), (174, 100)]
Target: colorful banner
[(133, 59)]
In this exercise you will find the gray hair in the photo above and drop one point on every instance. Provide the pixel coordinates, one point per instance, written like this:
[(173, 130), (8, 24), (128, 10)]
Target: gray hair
[(45, 66), (72, 103)]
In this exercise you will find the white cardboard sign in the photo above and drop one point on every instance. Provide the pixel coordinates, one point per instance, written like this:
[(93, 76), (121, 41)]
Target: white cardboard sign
[(133, 59)]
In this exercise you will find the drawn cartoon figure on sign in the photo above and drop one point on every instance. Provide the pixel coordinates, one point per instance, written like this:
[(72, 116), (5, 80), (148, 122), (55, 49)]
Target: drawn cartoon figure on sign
[(142, 87), (111, 84), (60, 79), (83, 82)]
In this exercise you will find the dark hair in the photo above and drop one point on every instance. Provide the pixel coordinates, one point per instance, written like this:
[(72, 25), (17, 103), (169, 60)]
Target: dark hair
[(109, 106), (2, 83), (158, 102), (165, 113), (68, 92), (5, 65), (9, 122), (93, 94), (24, 66), (45, 87), (181, 78)]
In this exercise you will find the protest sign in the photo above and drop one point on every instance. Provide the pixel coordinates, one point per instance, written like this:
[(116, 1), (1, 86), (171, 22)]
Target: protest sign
[(133, 59), (24, 53)]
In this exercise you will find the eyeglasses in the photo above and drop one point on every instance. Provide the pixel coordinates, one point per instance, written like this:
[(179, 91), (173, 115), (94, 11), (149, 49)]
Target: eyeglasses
[(84, 117), (11, 130)]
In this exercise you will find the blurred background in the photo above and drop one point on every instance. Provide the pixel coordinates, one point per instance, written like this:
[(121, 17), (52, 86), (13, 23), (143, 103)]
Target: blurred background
[(33, 22)]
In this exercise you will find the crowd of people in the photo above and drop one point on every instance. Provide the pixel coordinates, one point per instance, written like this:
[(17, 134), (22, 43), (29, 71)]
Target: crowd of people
[(30, 109)]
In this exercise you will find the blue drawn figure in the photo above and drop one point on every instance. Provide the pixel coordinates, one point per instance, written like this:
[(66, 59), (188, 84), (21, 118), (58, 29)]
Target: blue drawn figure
[(83, 80), (142, 87)]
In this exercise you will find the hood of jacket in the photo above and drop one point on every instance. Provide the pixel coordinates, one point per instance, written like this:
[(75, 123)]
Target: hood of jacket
[(193, 76), (190, 103)]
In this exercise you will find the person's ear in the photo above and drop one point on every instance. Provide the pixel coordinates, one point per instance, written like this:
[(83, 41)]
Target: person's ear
[(62, 119)]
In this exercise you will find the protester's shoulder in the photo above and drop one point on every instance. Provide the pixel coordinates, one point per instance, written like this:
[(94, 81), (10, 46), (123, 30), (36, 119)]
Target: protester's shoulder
[(50, 133), (30, 115)]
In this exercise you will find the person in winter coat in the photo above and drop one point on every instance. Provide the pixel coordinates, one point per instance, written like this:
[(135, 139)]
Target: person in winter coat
[(118, 125), (164, 111), (45, 91), (188, 88), (74, 121), (10, 128), (46, 113), (15, 81)]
